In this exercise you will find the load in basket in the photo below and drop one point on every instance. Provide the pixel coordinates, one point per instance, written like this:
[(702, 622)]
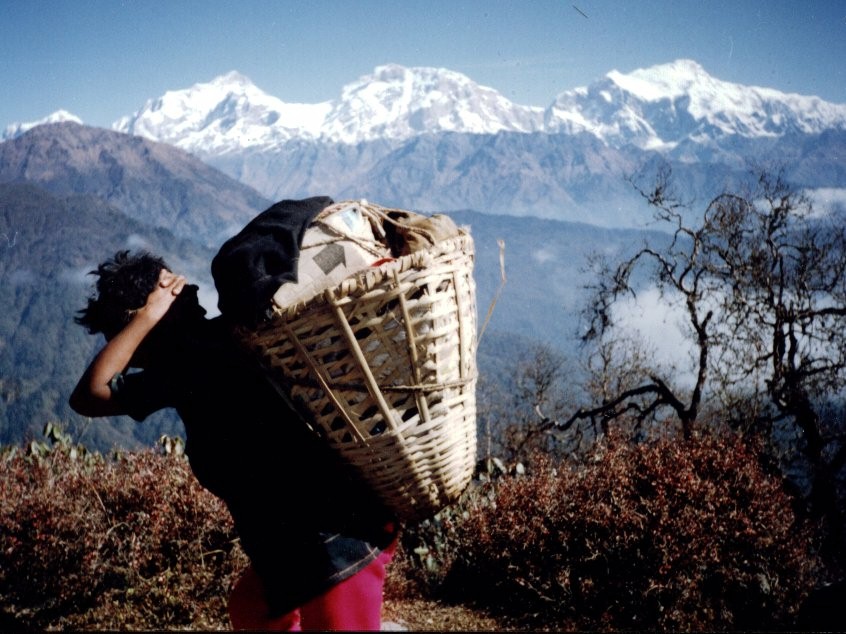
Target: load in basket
[(374, 340)]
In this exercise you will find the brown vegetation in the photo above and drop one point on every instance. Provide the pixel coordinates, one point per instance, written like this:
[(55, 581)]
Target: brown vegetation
[(670, 535), (666, 535), (129, 542)]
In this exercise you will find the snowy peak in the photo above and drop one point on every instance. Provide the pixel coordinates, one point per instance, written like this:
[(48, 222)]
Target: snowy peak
[(666, 80), (225, 114), (397, 102), (16, 129), (230, 113), (662, 106)]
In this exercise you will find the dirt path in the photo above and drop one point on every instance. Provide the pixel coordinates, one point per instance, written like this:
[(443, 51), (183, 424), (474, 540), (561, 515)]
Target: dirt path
[(431, 616)]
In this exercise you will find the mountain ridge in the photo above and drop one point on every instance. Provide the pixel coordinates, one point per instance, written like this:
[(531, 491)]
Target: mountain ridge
[(52, 239), (429, 138), (99, 190), (398, 103), (687, 103), (230, 113), (152, 182)]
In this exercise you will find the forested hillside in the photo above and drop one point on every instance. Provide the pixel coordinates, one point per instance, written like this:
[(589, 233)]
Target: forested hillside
[(63, 212), (48, 244), (152, 183)]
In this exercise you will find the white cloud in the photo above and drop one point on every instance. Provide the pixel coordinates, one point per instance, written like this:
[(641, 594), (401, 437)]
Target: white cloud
[(656, 321), (21, 277), (826, 199), (208, 299), (137, 242), (542, 255), (78, 276)]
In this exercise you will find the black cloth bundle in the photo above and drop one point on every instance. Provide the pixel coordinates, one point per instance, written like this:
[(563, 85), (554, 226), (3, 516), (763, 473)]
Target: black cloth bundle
[(252, 265)]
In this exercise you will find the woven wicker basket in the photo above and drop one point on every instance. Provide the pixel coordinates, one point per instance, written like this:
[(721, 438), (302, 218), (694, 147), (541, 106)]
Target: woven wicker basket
[(385, 364)]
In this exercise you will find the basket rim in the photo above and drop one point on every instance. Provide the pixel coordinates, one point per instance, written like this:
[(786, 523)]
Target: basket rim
[(366, 280)]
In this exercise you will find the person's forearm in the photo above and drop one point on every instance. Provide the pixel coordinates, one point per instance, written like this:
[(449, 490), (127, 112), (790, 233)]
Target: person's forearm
[(92, 395)]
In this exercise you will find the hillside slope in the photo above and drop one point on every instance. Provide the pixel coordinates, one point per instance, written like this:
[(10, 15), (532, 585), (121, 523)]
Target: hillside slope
[(153, 183), (61, 214), (48, 244)]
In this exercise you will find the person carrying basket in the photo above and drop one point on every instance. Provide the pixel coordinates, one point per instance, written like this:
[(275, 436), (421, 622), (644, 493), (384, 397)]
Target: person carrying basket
[(317, 538)]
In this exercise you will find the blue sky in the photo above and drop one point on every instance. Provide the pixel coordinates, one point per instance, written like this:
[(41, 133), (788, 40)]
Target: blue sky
[(103, 59)]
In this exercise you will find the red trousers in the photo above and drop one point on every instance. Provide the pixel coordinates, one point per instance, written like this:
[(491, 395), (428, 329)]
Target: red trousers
[(354, 604)]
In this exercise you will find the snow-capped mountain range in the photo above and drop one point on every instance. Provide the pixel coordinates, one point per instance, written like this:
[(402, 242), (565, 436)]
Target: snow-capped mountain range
[(658, 107), (416, 138), (16, 129), (652, 108), (230, 113), (431, 138)]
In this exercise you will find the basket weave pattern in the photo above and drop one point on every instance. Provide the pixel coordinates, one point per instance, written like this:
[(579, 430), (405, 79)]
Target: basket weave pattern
[(385, 363)]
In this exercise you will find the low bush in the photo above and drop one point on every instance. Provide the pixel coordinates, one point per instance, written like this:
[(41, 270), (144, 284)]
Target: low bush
[(672, 535), (127, 542), (675, 535)]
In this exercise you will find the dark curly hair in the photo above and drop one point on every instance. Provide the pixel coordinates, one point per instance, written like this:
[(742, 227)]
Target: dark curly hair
[(123, 285)]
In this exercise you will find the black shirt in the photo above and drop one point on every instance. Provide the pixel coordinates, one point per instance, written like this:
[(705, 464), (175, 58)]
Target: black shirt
[(304, 519)]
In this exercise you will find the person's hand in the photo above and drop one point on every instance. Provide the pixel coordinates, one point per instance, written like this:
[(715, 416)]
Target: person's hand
[(160, 300), (93, 395)]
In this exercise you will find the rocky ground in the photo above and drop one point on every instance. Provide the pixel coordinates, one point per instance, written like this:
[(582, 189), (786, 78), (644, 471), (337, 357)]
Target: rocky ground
[(432, 616), (420, 615)]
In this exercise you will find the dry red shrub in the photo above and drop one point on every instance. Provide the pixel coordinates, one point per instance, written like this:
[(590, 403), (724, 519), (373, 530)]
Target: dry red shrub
[(689, 535), (132, 542)]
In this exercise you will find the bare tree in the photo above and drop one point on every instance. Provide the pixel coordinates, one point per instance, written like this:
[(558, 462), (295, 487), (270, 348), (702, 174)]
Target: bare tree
[(762, 279), (784, 272), (520, 425), (615, 372), (679, 268)]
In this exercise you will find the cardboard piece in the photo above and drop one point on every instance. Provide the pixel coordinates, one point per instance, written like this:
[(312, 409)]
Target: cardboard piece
[(331, 252)]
